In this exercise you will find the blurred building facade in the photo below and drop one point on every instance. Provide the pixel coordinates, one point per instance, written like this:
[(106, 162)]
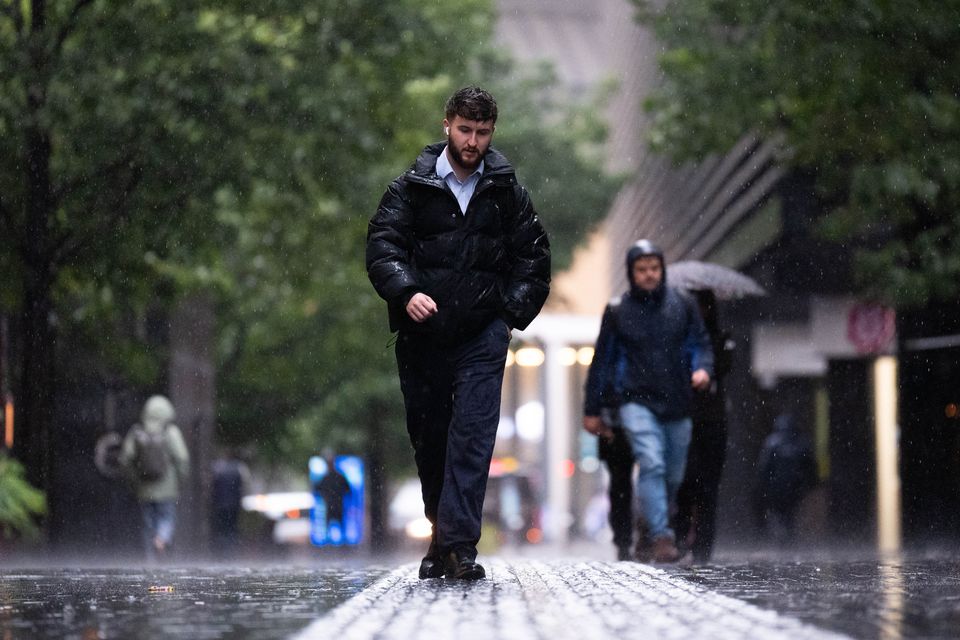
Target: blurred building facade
[(810, 347)]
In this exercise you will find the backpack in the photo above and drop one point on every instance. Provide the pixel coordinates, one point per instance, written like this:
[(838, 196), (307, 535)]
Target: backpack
[(152, 458)]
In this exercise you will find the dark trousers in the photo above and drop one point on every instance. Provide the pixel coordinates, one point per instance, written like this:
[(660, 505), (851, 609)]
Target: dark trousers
[(452, 400), (696, 520), (224, 531), (618, 456)]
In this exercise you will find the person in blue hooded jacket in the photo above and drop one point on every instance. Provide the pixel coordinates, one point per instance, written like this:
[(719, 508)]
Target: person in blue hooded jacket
[(652, 352)]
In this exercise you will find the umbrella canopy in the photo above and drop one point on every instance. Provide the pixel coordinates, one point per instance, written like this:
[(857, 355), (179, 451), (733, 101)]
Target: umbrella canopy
[(724, 282)]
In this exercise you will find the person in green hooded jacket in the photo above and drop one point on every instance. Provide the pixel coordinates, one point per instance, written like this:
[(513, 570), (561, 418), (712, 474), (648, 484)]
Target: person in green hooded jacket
[(157, 462)]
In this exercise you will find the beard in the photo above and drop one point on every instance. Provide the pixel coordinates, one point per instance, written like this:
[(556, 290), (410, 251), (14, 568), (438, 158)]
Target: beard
[(457, 155)]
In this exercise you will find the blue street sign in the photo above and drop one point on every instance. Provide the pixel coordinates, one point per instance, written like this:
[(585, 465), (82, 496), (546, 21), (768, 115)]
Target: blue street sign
[(337, 516)]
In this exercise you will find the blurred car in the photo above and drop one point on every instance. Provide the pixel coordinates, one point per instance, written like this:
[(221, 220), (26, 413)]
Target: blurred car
[(288, 510), (511, 510), (405, 517)]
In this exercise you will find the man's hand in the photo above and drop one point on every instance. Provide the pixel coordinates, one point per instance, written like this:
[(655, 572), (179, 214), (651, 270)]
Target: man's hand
[(700, 380), (597, 427), (421, 307)]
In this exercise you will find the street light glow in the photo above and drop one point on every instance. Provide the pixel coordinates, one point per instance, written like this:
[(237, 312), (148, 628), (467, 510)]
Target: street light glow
[(585, 356), (530, 421), (568, 356), (420, 528), (530, 357)]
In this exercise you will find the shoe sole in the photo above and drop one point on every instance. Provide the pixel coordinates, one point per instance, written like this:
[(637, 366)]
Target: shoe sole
[(430, 576)]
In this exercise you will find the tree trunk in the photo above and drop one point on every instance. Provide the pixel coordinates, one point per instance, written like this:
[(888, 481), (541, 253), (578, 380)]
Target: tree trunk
[(37, 380), (377, 482), (193, 393), (38, 335)]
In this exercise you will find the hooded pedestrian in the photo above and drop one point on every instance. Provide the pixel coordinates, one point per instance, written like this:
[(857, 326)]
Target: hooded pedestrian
[(651, 354), (156, 459)]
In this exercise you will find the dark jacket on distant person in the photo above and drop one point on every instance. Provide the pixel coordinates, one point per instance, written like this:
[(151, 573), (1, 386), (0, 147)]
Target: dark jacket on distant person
[(493, 261), (649, 344)]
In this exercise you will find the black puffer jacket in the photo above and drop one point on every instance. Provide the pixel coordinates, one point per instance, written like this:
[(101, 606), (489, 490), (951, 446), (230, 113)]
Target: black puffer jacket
[(492, 262)]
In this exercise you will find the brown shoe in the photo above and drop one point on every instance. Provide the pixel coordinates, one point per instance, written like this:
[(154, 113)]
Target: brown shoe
[(664, 549), (643, 551)]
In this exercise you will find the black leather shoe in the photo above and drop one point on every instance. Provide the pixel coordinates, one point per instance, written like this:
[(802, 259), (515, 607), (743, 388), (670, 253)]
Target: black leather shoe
[(462, 567), (431, 567)]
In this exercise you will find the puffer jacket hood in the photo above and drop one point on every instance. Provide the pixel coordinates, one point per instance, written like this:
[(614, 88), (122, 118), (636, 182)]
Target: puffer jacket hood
[(640, 249), (157, 413)]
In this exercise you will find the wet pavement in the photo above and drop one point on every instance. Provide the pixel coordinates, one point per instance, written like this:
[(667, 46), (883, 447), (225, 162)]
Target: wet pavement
[(555, 600), (868, 599), (218, 602), (551, 595)]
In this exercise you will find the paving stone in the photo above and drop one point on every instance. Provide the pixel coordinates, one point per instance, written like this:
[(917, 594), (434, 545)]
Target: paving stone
[(551, 600)]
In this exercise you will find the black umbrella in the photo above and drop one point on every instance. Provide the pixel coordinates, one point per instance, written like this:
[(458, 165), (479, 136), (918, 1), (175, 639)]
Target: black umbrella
[(724, 282)]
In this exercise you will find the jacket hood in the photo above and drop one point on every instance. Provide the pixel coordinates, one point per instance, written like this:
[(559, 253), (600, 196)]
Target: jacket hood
[(157, 413), (640, 249)]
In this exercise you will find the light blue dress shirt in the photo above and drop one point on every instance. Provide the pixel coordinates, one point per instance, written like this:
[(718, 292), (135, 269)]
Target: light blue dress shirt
[(463, 191)]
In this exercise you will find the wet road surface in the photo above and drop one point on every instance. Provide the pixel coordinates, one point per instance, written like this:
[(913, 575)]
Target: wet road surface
[(864, 599), (172, 603)]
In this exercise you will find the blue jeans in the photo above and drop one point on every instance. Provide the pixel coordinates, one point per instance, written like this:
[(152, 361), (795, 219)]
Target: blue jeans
[(660, 448), (159, 520)]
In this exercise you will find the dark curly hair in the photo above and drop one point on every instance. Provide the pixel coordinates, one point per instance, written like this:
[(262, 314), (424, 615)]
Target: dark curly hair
[(472, 103)]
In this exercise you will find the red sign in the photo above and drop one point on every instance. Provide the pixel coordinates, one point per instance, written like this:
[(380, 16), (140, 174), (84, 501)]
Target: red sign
[(871, 327)]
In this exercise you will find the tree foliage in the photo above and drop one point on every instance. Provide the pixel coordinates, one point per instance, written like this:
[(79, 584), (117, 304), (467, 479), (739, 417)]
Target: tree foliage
[(20, 503), (864, 94), (150, 148), (321, 363)]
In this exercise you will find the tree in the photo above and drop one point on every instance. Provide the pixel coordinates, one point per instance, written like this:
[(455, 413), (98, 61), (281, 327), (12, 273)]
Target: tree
[(122, 127), (103, 133), (311, 362), (863, 95), (153, 148)]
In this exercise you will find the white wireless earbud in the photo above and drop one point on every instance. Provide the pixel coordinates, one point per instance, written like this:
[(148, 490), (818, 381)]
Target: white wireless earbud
[(446, 131)]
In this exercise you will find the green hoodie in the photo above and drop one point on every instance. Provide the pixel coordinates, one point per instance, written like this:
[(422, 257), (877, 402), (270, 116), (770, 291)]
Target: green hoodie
[(157, 417)]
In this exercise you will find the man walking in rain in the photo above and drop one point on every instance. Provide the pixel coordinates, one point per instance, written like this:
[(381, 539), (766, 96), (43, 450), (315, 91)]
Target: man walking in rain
[(459, 254), (652, 352)]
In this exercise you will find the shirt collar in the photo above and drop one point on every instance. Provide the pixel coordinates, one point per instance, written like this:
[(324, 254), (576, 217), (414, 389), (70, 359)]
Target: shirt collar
[(444, 168)]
